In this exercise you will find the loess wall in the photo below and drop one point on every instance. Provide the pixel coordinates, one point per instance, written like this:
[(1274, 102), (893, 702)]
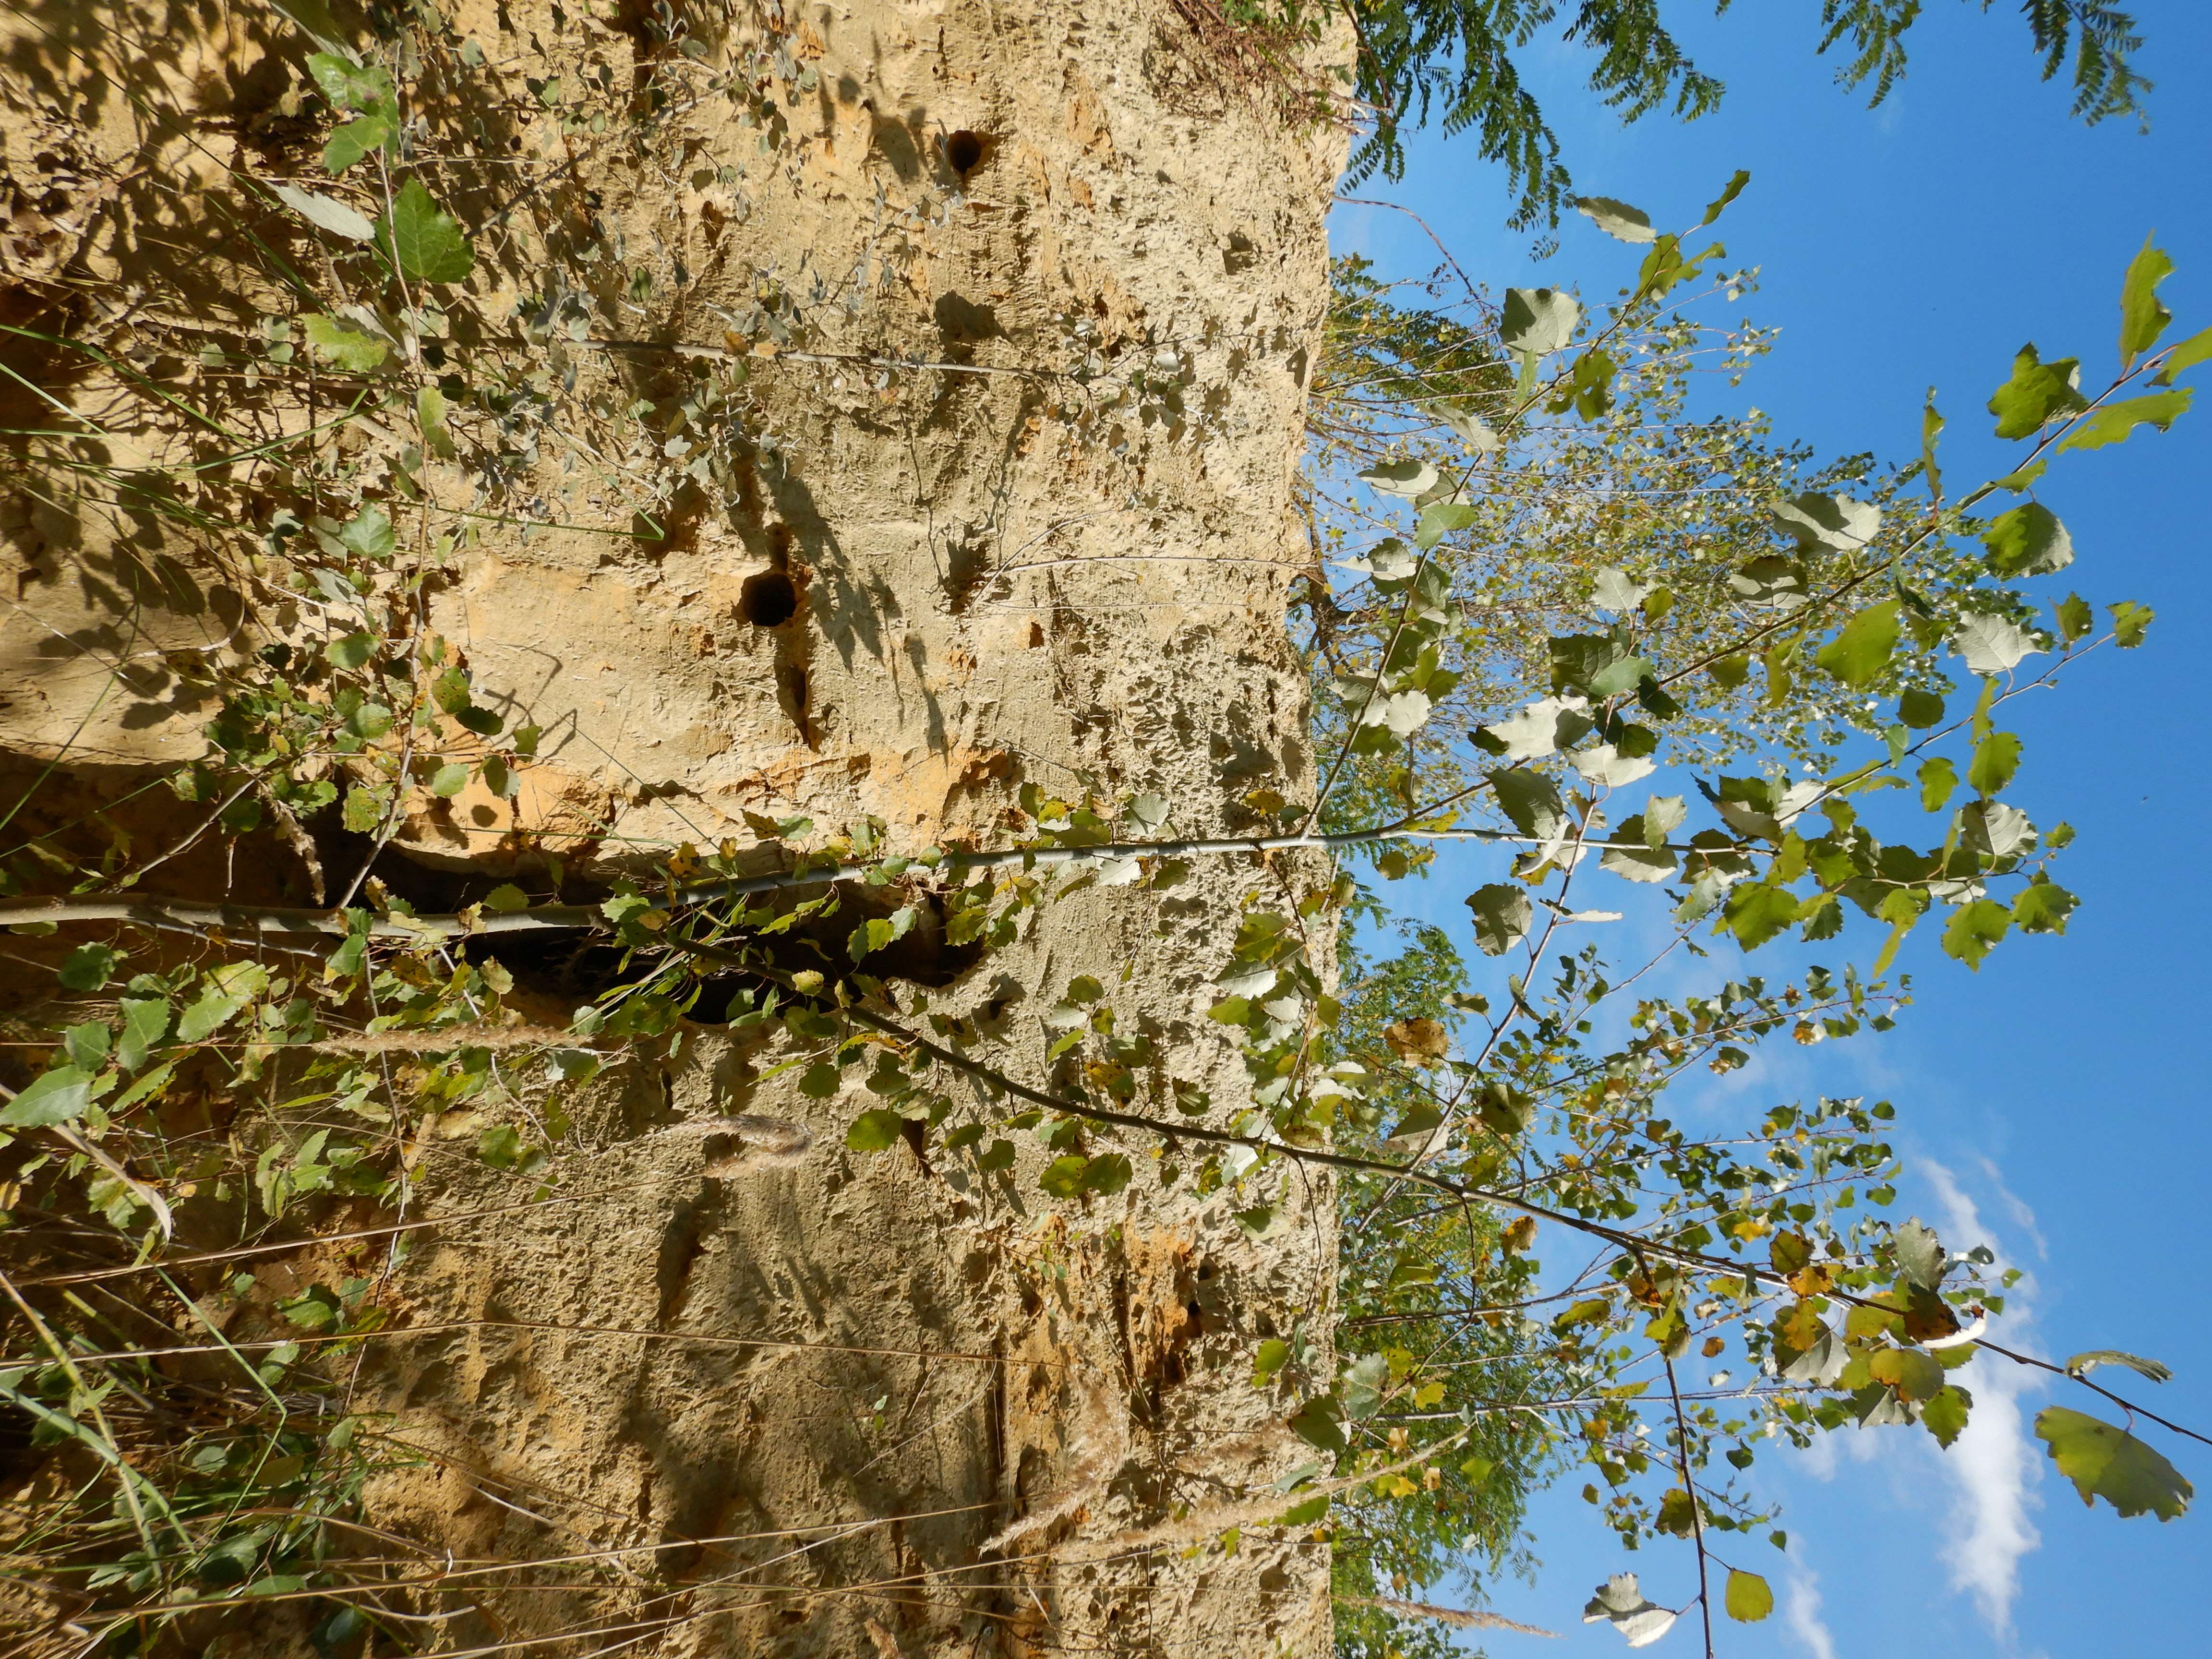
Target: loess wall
[(828, 1403)]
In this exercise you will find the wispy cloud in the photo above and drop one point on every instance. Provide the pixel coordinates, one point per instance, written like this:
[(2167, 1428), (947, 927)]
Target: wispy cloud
[(1801, 1613), (1992, 1464)]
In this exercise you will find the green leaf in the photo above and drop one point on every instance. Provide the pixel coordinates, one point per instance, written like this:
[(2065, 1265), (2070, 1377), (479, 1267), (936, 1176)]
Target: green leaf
[(1862, 648), (2082, 1364), (2197, 349), (430, 415), (1270, 1357), (350, 86), (450, 690), (1945, 1416), (1502, 917), (1975, 930), (145, 1023), (369, 534), (1931, 428), (501, 1146), (364, 809), (449, 779), (506, 898), (2028, 541), (2037, 393), (351, 651), (1914, 1375), (1063, 1176), (875, 1131), (1756, 912), (2114, 422), (1616, 219), (2042, 907), (1596, 663), (2143, 317), (1316, 1423), (88, 966), (2108, 1462), (1107, 1173), (2073, 616), (60, 1095), (356, 139), (1938, 778), (1997, 759), (421, 240), (1439, 519), (1531, 801), (341, 346), (214, 1010), (1538, 320), (1750, 1598), (1820, 521), (86, 1045), (2130, 622), (1729, 191), (1920, 709)]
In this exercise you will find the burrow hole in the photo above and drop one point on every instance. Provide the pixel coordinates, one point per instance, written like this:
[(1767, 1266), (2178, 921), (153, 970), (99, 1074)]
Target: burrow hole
[(768, 599)]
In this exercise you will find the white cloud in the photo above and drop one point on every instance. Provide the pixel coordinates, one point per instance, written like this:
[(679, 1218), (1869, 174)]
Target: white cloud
[(1992, 1465), (1801, 1613)]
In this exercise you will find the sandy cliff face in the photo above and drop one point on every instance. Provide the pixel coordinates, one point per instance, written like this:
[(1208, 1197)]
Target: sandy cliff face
[(804, 1399)]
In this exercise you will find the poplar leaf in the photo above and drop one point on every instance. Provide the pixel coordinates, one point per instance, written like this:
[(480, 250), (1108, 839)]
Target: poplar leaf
[(1975, 931), (2108, 1462), (1997, 759), (1620, 1600), (2037, 393), (872, 1132), (2197, 349), (1616, 219), (341, 346), (1992, 645), (2042, 907), (1835, 523), (2143, 318), (1945, 1416), (1538, 320), (2028, 541), (1407, 479), (1502, 916), (1862, 648), (2115, 423), (1531, 800), (430, 415), (1749, 1597), (424, 241), (1439, 519), (1938, 778)]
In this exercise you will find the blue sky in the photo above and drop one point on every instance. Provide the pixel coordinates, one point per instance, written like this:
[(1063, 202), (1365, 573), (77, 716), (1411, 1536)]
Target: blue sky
[(2054, 1102)]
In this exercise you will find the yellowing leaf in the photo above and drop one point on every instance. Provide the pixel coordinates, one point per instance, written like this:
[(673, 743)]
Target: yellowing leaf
[(1749, 1597)]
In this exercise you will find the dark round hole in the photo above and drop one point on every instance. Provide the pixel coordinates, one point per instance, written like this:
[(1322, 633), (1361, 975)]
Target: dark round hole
[(768, 600), (964, 150)]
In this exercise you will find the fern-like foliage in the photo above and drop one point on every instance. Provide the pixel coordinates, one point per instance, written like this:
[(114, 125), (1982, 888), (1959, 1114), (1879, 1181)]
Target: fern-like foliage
[(1454, 58)]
